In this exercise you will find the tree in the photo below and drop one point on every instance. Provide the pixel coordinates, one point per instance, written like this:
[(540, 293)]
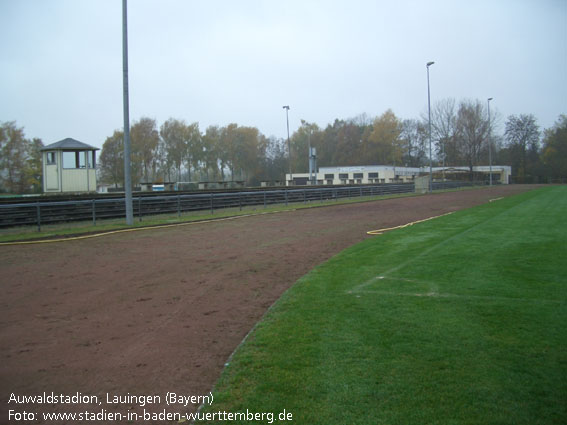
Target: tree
[(414, 137), (250, 149), (211, 146), (307, 133), (275, 159), (173, 134), (472, 131), (111, 159), (384, 145), (555, 150), (145, 140), (33, 170), (522, 134), (444, 131), (20, 160), (226, 148), (327, 149), (349, 144), (194, 148)]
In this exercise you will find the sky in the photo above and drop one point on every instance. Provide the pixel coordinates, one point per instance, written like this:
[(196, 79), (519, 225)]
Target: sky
[(217, 62)]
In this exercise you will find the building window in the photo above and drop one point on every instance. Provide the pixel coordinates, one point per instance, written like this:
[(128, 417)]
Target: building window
[(343, 176), (80, 158), (357, 175), (73, 159), (50, 158), (372, 175), (92, 159), (329, 176), (69, 160)]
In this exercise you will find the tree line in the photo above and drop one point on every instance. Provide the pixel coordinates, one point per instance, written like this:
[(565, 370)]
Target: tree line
[(178, 151), (461, 133)]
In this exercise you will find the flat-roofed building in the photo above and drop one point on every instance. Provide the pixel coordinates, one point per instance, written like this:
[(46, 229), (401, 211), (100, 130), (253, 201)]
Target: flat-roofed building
[(373, 174)]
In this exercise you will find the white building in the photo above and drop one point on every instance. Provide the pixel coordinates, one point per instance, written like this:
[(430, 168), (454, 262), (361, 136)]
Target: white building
[(372, 174), (69, 166)]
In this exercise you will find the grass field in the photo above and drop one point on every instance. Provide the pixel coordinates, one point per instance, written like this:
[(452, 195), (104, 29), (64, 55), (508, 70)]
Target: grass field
[(457, 320)]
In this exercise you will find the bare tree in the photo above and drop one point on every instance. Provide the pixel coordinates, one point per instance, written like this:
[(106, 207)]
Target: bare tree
[(523, 135), (444, 129), (472, 131), (414, 137)]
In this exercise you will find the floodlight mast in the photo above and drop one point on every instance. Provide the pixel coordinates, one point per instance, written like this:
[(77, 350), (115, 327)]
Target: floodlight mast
[(310, 159), (127, 169), (429, 109), (286, 107), (489, 141)]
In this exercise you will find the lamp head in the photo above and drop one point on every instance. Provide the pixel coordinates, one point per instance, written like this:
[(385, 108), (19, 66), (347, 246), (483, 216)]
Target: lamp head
[(429, 64), (490, 98)]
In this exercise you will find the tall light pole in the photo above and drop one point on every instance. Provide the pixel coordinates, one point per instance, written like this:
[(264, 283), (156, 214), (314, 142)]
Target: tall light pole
[(286, 107), (489, 141), (310, 160), (127, 173), (429, 109)]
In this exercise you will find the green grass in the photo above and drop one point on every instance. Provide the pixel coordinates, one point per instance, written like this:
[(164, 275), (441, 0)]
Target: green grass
[(458, 320)]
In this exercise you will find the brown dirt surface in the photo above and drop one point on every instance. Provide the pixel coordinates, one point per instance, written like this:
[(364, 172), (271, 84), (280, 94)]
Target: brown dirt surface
[(161, 310)]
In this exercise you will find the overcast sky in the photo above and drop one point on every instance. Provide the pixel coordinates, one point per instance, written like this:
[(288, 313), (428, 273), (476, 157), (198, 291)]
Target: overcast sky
[(217, 62)]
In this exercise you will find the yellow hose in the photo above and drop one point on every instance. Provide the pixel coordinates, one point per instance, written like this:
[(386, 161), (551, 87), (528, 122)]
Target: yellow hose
[(380, 231)]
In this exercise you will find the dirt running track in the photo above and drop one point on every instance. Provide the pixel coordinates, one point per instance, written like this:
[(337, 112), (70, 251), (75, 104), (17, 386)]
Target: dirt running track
[(161, 310)]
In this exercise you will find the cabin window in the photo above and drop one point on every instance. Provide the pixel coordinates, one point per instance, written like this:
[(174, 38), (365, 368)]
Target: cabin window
[(357, 175), (92, 159), (343, 176), (73, 159), (69, 160), (50, 158), (80, 159)]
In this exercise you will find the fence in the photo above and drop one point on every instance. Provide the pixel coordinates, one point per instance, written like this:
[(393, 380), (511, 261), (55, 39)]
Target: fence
[(40, 213)]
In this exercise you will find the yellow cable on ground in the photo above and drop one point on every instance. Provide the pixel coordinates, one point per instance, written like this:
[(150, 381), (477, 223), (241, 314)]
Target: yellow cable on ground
[(135, 229), (380, 231)]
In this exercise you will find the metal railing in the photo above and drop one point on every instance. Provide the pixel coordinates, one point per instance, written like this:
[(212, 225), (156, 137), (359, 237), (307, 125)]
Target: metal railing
[(47, 212)]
